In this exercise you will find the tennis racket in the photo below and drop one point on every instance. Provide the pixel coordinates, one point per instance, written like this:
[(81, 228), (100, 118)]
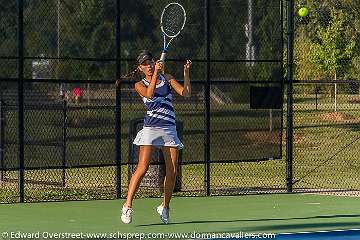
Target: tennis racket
[(173, 19)]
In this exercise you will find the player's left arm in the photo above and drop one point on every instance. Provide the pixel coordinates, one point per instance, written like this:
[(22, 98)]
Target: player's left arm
[(185, 90)]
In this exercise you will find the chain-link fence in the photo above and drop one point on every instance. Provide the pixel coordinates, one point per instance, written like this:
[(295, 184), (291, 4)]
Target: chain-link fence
[(65, 125), (326, 97), (326, 142)]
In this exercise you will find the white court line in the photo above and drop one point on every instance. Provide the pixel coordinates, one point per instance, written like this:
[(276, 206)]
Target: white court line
[(322, 231), (305, 232)]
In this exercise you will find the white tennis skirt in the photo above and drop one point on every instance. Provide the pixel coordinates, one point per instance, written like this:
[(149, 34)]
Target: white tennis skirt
[(158, 137)]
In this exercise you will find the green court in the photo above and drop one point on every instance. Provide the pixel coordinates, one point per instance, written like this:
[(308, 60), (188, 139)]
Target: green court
[(271, 126), (281, 213)]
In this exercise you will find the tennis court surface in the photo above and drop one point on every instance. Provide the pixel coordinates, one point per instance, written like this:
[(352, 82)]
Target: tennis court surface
[(280, 213)]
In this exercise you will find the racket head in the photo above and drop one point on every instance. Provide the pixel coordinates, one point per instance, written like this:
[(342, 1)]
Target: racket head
[(173, 19)]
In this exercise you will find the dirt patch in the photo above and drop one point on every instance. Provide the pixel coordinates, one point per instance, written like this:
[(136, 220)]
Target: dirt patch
[(297, 138), (355, 99), (337, 117), (264, 137)]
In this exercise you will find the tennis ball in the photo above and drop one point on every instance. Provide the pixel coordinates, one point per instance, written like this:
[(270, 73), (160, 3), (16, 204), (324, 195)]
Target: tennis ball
[(303, 12)]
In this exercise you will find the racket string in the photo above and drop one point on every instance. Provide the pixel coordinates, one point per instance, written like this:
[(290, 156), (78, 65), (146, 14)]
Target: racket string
[(173, 20)]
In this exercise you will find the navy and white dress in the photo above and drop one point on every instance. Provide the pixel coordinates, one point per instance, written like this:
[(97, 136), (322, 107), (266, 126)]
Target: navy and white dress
[(159, 122)]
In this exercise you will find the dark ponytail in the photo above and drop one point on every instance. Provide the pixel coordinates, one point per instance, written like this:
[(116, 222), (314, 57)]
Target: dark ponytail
[(131, 74), (136, 74)]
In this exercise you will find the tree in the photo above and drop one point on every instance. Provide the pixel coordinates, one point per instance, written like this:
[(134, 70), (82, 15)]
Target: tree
[(8, 41), (334, 51), (354, 73), (304, 68)]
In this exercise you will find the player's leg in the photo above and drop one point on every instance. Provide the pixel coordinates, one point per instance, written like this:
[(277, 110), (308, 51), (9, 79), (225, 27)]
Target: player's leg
[(142, 167), (171, 158)]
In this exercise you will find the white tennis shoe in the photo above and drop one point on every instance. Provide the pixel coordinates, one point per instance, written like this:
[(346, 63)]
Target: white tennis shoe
[(164, 214), (126, 215)]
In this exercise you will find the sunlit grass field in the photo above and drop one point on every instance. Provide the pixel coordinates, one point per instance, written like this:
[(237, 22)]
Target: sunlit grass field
[(326, 150)]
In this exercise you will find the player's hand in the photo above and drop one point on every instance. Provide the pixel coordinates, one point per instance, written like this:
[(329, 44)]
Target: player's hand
[(158, 66), (187, 66)]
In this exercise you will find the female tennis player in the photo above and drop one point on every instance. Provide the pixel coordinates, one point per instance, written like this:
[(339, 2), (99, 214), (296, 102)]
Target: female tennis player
[(159, 129)]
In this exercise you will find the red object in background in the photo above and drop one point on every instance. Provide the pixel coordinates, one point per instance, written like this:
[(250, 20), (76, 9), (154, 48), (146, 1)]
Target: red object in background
[(77, 92)]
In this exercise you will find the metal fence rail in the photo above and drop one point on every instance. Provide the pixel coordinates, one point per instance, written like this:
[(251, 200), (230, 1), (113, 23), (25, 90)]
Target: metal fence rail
[(65, 124)]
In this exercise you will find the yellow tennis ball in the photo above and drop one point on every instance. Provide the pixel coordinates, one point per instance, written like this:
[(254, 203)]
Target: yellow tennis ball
[(303, 12)]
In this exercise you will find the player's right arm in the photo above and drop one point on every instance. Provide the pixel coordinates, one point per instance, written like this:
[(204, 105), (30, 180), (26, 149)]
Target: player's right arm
[(148, 91)]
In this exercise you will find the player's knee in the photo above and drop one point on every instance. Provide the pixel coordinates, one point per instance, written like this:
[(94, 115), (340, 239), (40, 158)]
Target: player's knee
[(141, 170)]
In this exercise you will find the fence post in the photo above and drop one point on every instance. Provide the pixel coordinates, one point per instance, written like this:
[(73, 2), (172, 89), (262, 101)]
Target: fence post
[(64, 137), (118, 105), (2, 137), (289, 130), (316, 100), (20, 43), (207, 98)]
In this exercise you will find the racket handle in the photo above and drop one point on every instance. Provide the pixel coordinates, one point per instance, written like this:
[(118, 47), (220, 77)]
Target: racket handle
[(163, 56)]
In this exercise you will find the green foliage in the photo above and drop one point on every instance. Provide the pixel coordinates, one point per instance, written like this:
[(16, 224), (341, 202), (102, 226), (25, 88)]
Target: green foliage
[(334, 52), (326, 42), (355, 70), (8, 21), (305, 68), (354, 74), (87, 30)]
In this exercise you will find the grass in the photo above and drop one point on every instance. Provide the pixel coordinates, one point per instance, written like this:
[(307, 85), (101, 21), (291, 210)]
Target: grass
[(325, 150)]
